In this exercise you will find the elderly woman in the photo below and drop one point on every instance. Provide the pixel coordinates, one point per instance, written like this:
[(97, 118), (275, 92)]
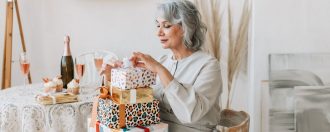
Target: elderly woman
[(189, 80)]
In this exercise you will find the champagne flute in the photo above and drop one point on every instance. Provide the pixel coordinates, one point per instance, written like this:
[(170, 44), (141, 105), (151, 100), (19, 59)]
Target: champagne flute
[(80, 70), (98, 61), (25, 66), (80, 67)]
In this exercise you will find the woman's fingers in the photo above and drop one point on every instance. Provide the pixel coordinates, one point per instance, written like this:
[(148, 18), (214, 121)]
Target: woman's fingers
[(106, 68), (133, 59), (117, 64), (139, 55), (137, 58), (140, 65)]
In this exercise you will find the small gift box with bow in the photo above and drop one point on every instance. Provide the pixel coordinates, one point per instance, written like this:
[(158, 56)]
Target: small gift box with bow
[(128, 77)]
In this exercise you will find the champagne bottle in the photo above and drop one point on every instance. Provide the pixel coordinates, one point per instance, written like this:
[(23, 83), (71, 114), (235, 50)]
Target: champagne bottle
[(67, 65)]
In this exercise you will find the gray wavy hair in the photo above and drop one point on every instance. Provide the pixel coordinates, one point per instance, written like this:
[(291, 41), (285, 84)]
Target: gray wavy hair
[(185, 13)]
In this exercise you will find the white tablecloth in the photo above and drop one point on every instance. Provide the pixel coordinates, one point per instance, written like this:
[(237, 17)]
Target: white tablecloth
[(19, 111)]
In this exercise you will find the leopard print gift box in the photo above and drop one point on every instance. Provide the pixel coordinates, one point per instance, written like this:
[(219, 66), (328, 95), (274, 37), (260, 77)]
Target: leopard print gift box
[(130, 78), (118, 116)]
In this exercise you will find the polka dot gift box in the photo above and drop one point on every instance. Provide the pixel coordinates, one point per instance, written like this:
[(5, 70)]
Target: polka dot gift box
[(131, 78)]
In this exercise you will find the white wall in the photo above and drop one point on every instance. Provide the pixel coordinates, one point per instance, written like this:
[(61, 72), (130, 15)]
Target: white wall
[(120, 26), (282, 26), (123, 26)]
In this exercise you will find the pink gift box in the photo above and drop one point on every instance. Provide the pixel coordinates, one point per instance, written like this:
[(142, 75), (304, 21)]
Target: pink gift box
[(161, 127)]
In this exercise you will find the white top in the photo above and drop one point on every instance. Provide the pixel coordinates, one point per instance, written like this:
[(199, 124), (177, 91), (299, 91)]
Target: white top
[(191, 100)]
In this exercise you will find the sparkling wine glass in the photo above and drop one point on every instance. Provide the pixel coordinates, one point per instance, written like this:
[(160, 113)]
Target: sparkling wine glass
[(80, 70), (25, 66), (98, 61), (80, 67)]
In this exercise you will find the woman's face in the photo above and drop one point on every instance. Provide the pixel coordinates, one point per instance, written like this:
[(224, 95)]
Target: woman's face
[(170, 35)]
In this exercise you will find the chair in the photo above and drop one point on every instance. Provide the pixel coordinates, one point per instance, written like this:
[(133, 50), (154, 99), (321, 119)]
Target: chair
[(234, 121), (91, 75)]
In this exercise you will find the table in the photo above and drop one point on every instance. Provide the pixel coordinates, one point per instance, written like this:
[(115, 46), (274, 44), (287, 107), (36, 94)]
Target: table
[(19, 111)]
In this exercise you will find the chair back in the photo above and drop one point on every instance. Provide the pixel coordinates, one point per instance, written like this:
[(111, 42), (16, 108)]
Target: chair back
[(91, 75)]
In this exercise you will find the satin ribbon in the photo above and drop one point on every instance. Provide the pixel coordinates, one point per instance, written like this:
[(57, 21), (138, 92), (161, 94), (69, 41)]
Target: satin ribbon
[(146, 129), (132, 95), (105, 94), (53, 99), (132, 98), (99, 128)]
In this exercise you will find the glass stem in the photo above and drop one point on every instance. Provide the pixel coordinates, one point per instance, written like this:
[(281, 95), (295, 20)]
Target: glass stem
[(25, 77), (101, 82)]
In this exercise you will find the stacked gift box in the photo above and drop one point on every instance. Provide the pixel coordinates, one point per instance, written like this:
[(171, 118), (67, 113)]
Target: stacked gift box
[(160, 127), (131, 78), (130, 103)]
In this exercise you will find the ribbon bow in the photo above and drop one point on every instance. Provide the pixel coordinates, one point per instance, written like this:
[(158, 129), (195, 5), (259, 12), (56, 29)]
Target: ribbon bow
[(105, 93)]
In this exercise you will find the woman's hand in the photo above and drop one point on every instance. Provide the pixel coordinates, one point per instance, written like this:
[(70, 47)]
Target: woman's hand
[(106, 69), (146, 61)]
